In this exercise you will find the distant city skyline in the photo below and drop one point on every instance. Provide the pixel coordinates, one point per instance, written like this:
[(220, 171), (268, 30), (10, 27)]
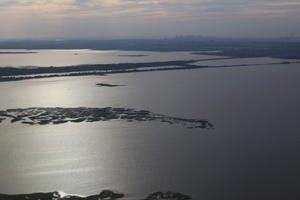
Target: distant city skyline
[(96, 19)]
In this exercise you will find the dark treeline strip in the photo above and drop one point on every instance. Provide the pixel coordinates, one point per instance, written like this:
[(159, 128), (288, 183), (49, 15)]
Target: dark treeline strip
[(17, 52), (186, 66), (13, 71), (19, 78)]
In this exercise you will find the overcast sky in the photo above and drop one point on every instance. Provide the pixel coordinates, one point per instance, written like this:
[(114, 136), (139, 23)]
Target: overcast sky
[(148, 18)]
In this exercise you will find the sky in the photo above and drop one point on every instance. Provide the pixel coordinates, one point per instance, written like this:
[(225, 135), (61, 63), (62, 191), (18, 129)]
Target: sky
[(100, 19)]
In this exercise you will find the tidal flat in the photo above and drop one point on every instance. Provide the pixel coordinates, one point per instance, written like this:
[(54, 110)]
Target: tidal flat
[(44, 116), (103, 195)]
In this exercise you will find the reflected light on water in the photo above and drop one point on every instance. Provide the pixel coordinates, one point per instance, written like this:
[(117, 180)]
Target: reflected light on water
[(254, 144)]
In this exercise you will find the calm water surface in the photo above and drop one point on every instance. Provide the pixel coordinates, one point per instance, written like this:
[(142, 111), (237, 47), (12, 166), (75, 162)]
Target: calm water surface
[(252, 154), (45, 58)]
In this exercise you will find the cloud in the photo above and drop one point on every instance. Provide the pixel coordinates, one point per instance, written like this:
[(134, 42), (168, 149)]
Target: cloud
[(146, 13), (142, 8)]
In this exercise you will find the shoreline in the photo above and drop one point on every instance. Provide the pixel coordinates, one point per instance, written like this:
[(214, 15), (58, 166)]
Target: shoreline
[(103, 195), (18, 74), (235, 47), (8, 74)]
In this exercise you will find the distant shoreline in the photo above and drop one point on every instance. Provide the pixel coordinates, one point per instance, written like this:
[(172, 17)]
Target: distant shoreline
[(17, 74), (234, 47), (13, 73), (17, 52)]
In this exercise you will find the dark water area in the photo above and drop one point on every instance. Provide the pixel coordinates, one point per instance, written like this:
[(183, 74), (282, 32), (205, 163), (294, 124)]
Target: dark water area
[(252, 153)]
